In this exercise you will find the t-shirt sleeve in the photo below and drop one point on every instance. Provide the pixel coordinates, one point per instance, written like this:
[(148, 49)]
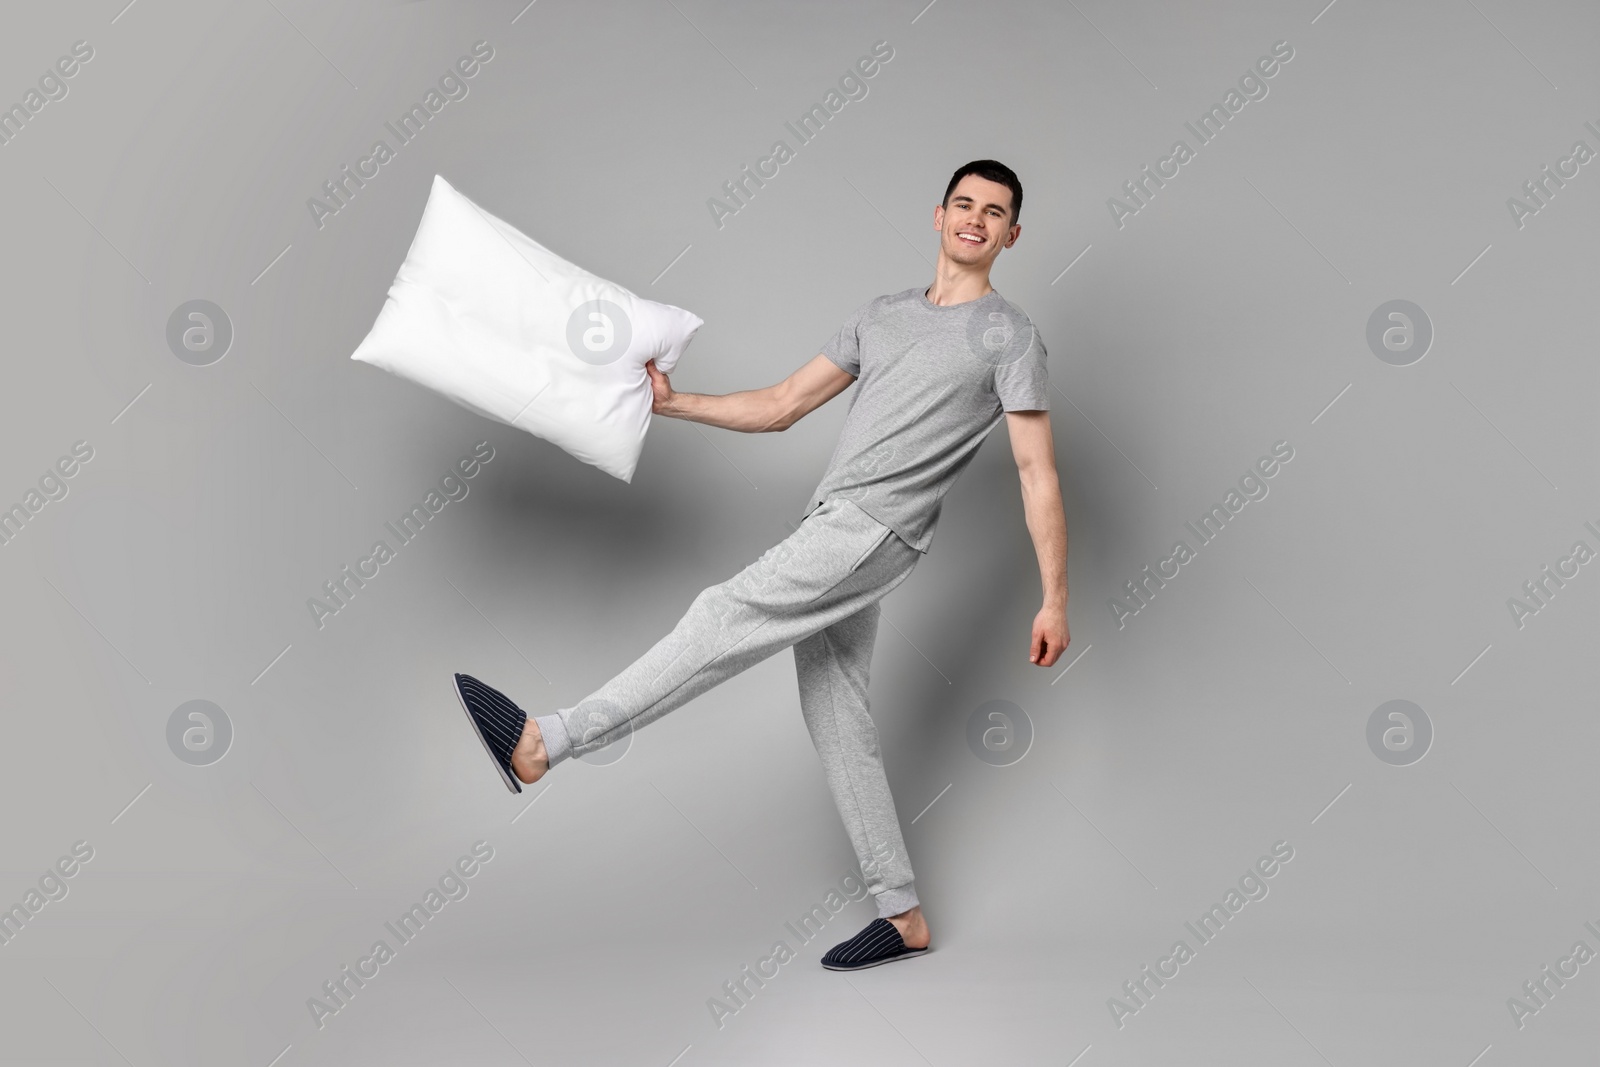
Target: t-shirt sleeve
[(844, 347), (1023, 384)]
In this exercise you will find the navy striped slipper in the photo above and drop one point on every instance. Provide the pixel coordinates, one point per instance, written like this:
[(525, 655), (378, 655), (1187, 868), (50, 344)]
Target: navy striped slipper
[(879, 943), (497, 721)]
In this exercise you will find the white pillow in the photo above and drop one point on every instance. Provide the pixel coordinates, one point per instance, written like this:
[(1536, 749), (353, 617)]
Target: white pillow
[(490, 318)]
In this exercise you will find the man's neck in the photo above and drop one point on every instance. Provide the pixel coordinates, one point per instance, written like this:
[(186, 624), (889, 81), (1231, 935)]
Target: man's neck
[(956, 284)]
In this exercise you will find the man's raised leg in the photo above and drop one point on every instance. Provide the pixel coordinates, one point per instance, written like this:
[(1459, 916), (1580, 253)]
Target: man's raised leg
[(836, 563)]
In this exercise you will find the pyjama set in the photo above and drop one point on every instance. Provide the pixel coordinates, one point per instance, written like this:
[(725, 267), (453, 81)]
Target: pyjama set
[(932, 382)]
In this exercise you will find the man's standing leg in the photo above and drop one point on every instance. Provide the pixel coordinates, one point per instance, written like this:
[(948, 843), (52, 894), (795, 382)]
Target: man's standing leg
[(833, 666)]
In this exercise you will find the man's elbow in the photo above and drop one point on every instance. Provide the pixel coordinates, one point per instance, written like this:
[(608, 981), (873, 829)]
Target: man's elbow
[(1038, 474), (784, 412)]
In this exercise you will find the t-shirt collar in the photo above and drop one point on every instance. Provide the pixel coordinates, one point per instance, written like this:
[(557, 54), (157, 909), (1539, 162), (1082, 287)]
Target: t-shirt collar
[(922, 297)]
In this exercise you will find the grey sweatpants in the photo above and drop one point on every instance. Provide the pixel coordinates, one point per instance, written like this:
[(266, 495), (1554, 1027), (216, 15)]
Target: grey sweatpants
[(818, 591)]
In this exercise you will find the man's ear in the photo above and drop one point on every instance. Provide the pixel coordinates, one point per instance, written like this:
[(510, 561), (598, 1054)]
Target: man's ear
[(938, 216)]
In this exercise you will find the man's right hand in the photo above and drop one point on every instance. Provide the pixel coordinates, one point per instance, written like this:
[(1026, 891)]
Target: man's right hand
[(751, 410), (660, 390)]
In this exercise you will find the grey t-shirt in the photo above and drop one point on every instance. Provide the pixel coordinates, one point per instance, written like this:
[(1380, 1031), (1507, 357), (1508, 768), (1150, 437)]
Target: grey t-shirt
[(932, 382)]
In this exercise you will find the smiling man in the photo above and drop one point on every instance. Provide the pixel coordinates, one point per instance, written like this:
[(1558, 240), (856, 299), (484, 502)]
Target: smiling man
[(937, 367)]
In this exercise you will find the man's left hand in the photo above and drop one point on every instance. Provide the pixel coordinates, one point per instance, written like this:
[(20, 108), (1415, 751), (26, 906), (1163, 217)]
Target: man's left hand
[(1050, 636)]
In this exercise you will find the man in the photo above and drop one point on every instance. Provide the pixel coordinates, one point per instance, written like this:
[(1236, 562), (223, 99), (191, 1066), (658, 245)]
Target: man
[(937, 368)]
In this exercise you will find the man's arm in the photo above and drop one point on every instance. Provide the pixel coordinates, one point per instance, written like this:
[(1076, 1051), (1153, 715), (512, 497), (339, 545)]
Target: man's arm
[(777, 407), (1035, 452)]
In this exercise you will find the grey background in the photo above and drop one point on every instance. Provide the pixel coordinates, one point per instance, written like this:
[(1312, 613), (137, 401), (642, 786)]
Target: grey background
[(1229, 714)]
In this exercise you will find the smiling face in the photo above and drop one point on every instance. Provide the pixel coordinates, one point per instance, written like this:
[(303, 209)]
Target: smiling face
[(976, 222)]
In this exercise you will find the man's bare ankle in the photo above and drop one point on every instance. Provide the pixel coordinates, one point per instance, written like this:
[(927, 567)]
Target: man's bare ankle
[(913, 927), (529, 760)]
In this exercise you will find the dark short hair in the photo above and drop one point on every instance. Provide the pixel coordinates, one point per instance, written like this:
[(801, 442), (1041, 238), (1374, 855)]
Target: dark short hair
[(994, 171)]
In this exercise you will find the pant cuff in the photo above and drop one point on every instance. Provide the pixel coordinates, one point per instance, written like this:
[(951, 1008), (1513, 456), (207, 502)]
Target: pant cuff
[(895, 901), (557, 742)]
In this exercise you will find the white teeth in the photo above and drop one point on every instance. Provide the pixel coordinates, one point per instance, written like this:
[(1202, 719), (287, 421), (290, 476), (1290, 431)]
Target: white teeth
[(970, 238)]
